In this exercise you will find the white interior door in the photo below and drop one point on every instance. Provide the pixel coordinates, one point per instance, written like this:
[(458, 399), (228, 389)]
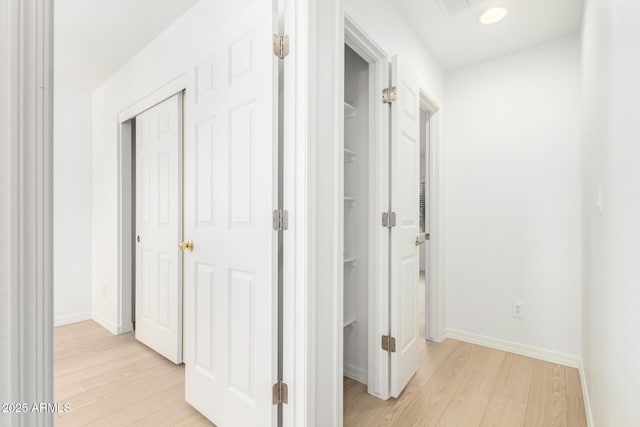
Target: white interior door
[(159, 228), (405, 191), (230, 192)]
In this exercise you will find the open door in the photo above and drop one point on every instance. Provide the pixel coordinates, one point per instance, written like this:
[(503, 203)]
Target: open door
[(230, 255), (405, 167), (159, 227)]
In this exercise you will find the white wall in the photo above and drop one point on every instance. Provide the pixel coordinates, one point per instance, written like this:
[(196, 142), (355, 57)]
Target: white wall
[(166, 58), (611, 285), (72, 190), (512, 176), (72, 201)]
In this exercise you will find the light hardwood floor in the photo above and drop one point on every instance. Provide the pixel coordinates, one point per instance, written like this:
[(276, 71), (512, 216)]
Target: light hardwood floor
[(116, 381), (466, 385)]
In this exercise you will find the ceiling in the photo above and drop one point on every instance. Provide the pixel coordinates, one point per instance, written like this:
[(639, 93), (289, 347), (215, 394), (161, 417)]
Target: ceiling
[(93, 38), (457, 38)]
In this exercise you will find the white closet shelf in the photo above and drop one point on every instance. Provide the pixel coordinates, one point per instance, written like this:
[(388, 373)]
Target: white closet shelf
[(350, 261), (349, 156), (349, 111), (349, 322), (350, 201)]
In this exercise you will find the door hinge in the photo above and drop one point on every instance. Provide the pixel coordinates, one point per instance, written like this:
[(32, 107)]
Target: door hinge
[(389, 95), (388, 343), (280, 46), (388, 219), (280, 393), (280, 220)]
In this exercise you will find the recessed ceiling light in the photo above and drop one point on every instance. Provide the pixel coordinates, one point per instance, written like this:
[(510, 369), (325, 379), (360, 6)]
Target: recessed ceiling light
[(492, 16)]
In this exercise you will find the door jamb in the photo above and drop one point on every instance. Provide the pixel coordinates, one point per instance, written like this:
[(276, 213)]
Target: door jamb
[(324, 69), (26, 195), (297, 358)]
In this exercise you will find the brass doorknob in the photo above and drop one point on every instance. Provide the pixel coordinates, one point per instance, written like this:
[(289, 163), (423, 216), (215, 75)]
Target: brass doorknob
[(186, 245)]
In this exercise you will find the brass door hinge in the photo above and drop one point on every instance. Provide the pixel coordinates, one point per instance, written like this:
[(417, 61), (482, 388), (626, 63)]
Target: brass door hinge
[(280, 393), (388, 343)]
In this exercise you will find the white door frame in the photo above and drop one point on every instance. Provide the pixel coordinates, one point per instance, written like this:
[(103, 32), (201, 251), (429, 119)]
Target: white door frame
[(26, 195), (297, 159), (126, 222), (323, 106), (435, 289), (377, 57)]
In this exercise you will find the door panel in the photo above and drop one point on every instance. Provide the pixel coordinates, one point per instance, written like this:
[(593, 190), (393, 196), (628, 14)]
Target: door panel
[(405, 190), (230, 192), (159, 225)]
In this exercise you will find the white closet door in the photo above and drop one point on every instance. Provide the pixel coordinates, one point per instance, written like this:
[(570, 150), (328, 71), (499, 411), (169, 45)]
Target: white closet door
[(405, 193), (230, 192), (159, 228)]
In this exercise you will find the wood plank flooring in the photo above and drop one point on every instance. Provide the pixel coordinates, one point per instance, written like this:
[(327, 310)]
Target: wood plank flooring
[(465, 385), (117, 381), (114, 380)]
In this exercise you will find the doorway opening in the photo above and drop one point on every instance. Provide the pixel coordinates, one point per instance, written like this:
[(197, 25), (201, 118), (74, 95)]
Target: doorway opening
[(150, 222), (387, 301), (430, 294), (224, 54), (425, 223), (365, 193), (357, 208), (151, 207)]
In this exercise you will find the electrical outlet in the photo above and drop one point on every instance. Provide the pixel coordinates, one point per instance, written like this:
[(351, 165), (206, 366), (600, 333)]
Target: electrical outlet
[(517, 309)]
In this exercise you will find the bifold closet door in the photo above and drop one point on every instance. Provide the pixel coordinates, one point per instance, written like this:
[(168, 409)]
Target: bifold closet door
[(405, 194), (230, 192), (159, 228)]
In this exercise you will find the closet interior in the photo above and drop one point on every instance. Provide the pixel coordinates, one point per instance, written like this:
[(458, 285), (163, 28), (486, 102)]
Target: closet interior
[(356, 216)]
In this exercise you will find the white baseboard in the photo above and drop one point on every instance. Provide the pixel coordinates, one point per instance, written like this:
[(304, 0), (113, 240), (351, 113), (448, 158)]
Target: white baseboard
[(560, 358), (585, 395), (110, 326), (71, 318), (355, 373), (105, 323)]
